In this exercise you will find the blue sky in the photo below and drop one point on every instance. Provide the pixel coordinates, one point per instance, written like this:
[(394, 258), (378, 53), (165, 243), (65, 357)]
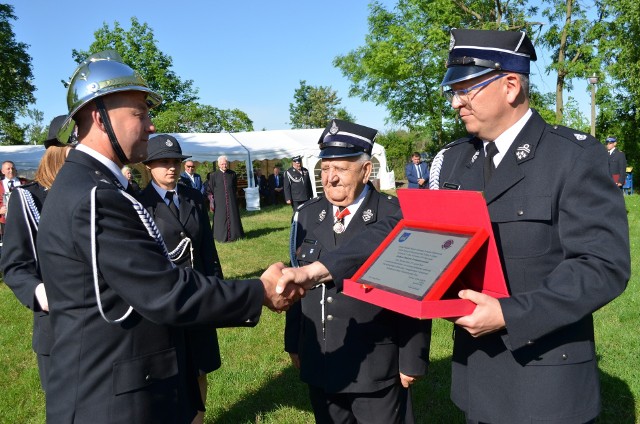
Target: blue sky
[(245, 54)]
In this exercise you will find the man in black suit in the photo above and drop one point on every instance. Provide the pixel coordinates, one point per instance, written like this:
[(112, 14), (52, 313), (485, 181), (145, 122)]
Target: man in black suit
[(276, 187), (297, 184), (358, 359), (617, 162), (118, 305), (556, 215)]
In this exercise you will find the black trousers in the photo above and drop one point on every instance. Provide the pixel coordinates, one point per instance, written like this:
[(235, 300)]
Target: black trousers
[(391, 405)]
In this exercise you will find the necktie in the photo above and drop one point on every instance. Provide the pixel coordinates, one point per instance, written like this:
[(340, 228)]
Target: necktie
[(172, 206), (11, 185), (419, 173), (489, 166)]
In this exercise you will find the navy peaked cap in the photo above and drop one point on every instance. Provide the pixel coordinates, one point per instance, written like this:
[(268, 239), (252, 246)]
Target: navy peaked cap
[(344, 139), (473, 53), (164, 146)]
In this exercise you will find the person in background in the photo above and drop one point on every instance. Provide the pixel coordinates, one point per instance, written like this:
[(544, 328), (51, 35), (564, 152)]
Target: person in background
[(181, 216), (297, 184), (358, 359), (128, 174), (119, 306), (263, 186), (190, 178), (223, 184), (617, 162), (276, 187), (19, 262), (9, 182), (417, 172)]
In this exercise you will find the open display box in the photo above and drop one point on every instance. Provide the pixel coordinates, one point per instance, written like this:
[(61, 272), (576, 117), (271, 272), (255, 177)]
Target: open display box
[(443, 244)]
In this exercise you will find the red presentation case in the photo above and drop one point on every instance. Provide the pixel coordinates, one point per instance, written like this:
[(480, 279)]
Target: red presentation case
[(477, 265)]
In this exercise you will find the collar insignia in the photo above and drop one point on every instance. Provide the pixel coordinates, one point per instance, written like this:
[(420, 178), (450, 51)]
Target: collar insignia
[(367, 215), (475, 156), (322, 215), (523, 151)]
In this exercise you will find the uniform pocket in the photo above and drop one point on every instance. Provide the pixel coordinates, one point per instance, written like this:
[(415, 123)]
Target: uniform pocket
[(522, 225), (140, 372)]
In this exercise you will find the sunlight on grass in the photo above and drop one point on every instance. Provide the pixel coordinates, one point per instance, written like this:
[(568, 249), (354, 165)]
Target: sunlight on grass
[(257, 384)]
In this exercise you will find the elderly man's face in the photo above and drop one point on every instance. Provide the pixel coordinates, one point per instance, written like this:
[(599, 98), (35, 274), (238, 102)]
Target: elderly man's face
[(9, 170), (223, 164), (343, 179), (297, 165), (189, 167)]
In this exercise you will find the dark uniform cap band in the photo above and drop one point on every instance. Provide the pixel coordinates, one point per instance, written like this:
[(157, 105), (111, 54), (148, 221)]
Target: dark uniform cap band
[(164, 146), (344, 139), (474, 53)]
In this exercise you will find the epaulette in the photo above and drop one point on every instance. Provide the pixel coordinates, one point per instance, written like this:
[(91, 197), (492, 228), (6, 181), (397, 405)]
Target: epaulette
[(578, 137), (389, 198), (309, 202), (462, 140)]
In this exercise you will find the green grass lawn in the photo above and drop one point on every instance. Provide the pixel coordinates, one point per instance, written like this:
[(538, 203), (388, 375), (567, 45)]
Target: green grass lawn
[(256, 383)]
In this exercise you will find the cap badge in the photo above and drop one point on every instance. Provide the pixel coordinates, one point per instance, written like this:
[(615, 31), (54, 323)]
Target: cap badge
[(367, 215), (523, 151), (334, 128), (322, 215), (168, 143), (580, 137), (452, 42)]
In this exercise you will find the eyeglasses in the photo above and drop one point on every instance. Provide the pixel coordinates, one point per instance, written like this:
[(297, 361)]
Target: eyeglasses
[(458, 94), (189, 166)]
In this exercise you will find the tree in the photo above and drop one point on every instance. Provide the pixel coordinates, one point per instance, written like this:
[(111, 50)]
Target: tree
[(139, 49), (16, 89), (401, 63), (194, 117), (313, 107), (35, 131), (572, 39)]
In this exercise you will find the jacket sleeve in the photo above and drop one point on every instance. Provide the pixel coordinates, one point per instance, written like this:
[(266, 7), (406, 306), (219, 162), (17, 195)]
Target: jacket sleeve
[(410, 173), (287, 186), (414, 340), (18, 261), (156, 290), (210, 260), (347, 259), (591, 224)]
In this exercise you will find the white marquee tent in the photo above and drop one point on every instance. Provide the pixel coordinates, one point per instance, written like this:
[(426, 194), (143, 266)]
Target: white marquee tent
[(241, 146)]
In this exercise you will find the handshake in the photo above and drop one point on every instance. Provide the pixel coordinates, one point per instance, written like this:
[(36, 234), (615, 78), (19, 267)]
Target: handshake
[(283, 286)]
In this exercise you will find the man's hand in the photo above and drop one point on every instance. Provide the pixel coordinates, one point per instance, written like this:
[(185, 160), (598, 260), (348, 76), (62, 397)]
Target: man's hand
[(295, 360), (421, 181), (288, 202), (41, 297), (305, 277), (3, 210), (407, 380), (278, 301), (486, 318)]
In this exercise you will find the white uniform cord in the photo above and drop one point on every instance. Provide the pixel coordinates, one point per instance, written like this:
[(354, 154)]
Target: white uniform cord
[(30, 213), (153, 231), (434, 171)]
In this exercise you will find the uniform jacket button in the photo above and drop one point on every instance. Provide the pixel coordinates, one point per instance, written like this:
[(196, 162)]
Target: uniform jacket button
[(329, 317), (565, 356), (329, 299), (147, 378), (520, 213)]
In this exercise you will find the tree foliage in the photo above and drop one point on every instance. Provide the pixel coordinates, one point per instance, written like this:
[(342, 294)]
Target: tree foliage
[(138, 48), (195, 117), (314, 106), (16, 89)]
